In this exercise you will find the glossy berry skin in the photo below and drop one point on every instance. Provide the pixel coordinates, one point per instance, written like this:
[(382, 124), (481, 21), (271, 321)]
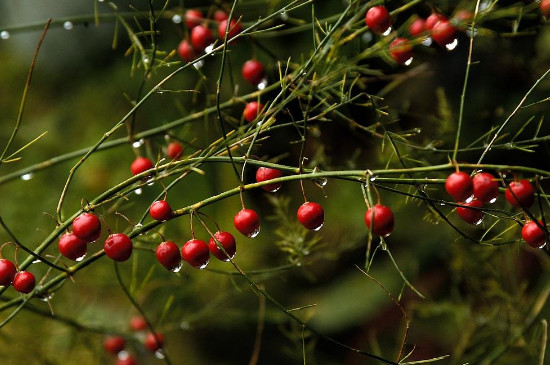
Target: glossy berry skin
[(127, 360), (174, 150), (443, 32), (251, 111), (378, 19), (267, 173), (227, 241), (168, 254), (432, 20), (137, 323), (87, 227), (545, 7), (472, 216), (383, 222), (118, 247), (401, 50), (201, 37), (253, 71), (24, 282), (154, 342), (234, 28), (220, 15), (533, 234), (7, 272), (311, 215), (193, 18), (485, 187), (459, 186), (247, 222), (186, 51), (72, 247), (160, 210), (196, 253), (417, 27), (520, 193), (140, 165), (114, 344)]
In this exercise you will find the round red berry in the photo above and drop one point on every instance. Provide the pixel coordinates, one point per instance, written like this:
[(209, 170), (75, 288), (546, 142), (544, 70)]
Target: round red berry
[(186, 51), (72, 247), (138, 323), (311, 215), (432, 20), (545, 7), (235, 28), (196, 253), (154, 342), (378, 19), (193, 18), (459, 186), (114, 344), (220, 15), (485, 187), (417, 27), (401, 50), (520, 193), (443, 32), (24, 282), (247, 222), (87, 227), (252, 110), (383, 222), (174, 150), (267, 173), (127, 359), (469, 214), (201, 37), (253, 71), (118, 247), (534, 235), (140, 165), (168, 254), (227, 241), (160, 210), (7, 272)]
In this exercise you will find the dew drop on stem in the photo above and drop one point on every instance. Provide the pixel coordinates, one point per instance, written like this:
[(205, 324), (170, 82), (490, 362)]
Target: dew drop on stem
[(408, 62), (26, 177), (159, 354), (452, 45), (176, 19), (367, 37), (284, 16), (138, 191), (197, 65), (185, 325), (4, 34), (78, 259), (209, 49), (138, 143), (262, 85), (68, 25)]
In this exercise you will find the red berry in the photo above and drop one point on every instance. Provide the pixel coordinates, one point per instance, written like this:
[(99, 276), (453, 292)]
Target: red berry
[(247, 222), (401, 50), (196, 253), (138, 323), (140, 165), (266, 173), (160, 210), (433, 19), (545, 7), (87, 227), (168, 254), (24, 282), (463, 16), (253, 71), (114, 344), (7, 272), (443, 33), (201, 37), (186, 51), (72, 247), (193, 18), (227, 241), (533, 234), (154, 342), (118, 247), (252, 110), (459, 186), (520, 193), (311, 215), (417, 27), (220, 15), (234, 28), (174, 150), (485, 187), (378, 19), (128, 359), (469, 215), (383, 220)]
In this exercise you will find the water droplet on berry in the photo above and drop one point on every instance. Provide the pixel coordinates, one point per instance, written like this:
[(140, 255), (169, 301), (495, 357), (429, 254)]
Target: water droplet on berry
[(78, 259), (388, 31), (284, 16), (408, 62), (452, 45), (253, 233), (427, 42), (26, 177), (318, 227), (198, 64), (138, 191), (176, 19), (176, 268), (262, 84), (159, 354), (68, 25), (203, 265), (4, 34), (138, 143)]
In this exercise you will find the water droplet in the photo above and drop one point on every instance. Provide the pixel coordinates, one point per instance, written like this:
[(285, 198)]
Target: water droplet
[(198, 64), (318, 227), (484, 5), (254, 233), (471, 34), (203, 265), (26, 177), (138, 143), (151, 182), (123, 355), (542, 245), (185, 325), (159, 354), (367, 37), (68, 25), (477, 223), (442, 204), (388, 31), (167, 137), (408, 62), (146, 60), (46, 297), (469, 199), (176, 268), (284, 16), (4, 34), (101, 1), (427, 42), (262, 84), (274, 189), (373, 178), (176, 19), (78, 259), (321, 182), (138, 191), (36, 261), (493, 200), (209, 49), (452, 45)]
